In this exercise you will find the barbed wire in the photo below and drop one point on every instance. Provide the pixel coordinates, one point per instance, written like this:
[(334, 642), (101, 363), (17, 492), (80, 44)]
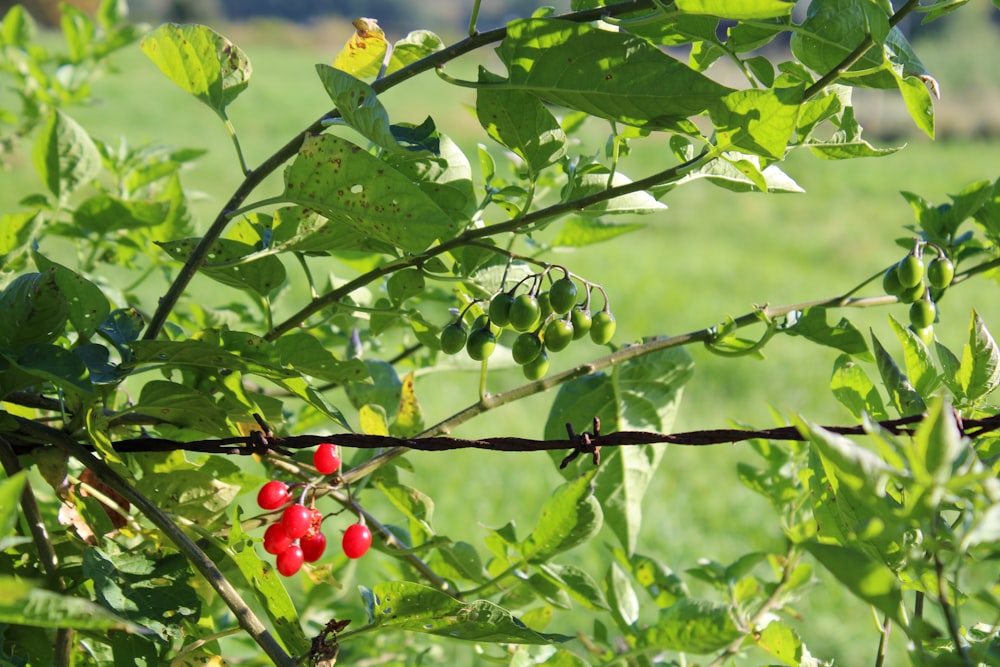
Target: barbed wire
[(31, 435)]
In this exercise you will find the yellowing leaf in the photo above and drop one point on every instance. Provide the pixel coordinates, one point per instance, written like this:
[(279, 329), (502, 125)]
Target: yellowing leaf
[(364, 52)]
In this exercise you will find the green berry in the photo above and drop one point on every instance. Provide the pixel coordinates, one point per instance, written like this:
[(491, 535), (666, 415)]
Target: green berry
[(500, 309), (536, 368), (603, 329), (910, 271), (940, 272), (926, 334), (581, 322), (911, 294), (558, 334), (481, 344), (922, 313), (453, 338), (890, 282), (526, 348), (562, 296), (544, 305), (524, 312)]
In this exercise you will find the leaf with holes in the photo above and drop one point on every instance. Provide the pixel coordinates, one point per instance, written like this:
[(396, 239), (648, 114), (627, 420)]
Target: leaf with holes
[(348, 185), (226, 263)]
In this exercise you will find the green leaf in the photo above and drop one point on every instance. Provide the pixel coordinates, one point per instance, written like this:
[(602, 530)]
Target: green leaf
[(358, 105), (519, 121), (201, 62), (951, 368), (227, 263), (415, 505), (416, 45), (578, 232), (354, 188), (570, 517), (416, 608), (938, 442), (607, 74), (18, 28), (640, 395), (306, 354), (462, 559), (211, 354), (87, 304), (690, 626), (445, 176), (979, 373), (812, 325), (737, 9), (405, 284), (624, 602), (35, 310), (10, 503), (853, 465), (181, 405), (904, 397), (725, 174), (16, 233), (868, 579), (659, 581), (577, 584), (55, 364), (917, 358), (78, 30), (104, 214), (598, 178), (153, 593), (855, 390), (28, 603), (65, 156), (782, 642), (758, 122), (918, 102)]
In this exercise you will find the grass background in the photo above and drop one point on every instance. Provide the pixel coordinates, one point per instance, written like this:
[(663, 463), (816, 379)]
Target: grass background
[(712, 254)]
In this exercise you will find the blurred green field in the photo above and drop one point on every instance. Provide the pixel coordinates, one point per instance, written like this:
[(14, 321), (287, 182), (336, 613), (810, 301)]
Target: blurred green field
[(712, 254)]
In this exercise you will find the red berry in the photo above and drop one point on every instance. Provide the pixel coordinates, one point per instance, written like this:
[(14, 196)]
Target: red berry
[(296, 520), (357, 540), (275, 539), (325, 459), (313, 547), (273, 495), (290, 560)]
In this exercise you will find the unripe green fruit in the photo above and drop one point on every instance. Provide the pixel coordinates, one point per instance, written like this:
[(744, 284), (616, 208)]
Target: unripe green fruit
[(940, 272), (524, 312), (453, 338), (922, 313), (890, 282), (926, 334), (910, 271), (526, 348), (911, 294), (544, 305), (581, 322), (558, 334), (603, 329), (562, 295), (481, 344), (536, 368), (500, 309)]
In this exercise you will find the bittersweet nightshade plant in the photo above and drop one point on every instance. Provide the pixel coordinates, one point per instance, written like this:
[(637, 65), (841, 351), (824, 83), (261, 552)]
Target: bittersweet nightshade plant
[(381, 256)]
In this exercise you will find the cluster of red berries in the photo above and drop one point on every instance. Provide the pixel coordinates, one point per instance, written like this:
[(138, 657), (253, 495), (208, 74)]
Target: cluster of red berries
[(297, 538)]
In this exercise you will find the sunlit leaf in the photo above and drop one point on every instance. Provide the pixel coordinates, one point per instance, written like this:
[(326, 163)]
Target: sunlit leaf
[(417, 608), (201, 62), (691, 626), (65, 156), (569, 518), (868, 579), (611, 75), (26, 603), (738, 9), (354, 188)]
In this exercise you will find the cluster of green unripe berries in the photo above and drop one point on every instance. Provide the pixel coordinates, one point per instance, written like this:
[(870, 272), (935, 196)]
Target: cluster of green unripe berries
[(545, 321), (913, 283), (297, 536)]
